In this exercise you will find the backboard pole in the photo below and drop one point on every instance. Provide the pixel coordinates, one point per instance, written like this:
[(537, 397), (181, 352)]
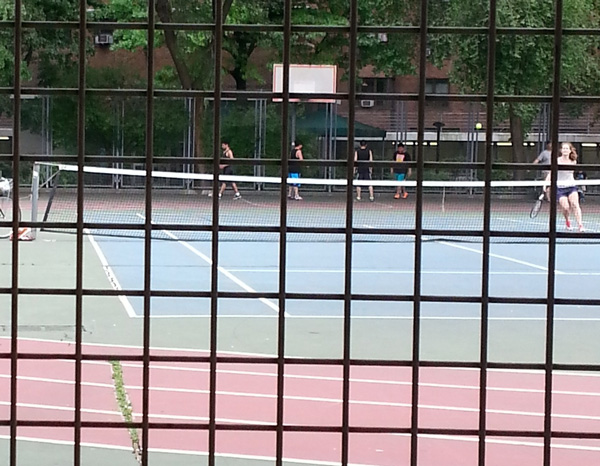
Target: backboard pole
[(292, 123)]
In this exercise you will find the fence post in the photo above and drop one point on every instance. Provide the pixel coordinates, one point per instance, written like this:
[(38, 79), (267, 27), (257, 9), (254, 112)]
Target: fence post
[(35, 189)]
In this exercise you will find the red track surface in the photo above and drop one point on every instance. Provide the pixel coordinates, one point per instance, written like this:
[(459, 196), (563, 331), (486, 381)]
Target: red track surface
[(380, 397)]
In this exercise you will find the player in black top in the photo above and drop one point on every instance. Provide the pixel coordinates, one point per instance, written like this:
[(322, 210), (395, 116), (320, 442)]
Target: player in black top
[(363, 169), (227, 170), (400, 170), (294, 170)]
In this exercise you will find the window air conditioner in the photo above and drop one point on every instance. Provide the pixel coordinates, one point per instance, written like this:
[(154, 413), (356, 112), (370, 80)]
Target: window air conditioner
[(103, 39), (367, 103)]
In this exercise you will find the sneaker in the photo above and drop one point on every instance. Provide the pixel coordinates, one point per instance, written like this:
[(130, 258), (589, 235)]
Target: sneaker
[(297, 198), (568, 225), (396, 196), (237, 196), (581, 228), (220, 196), (371, 199), (358, 198), (404, 195)]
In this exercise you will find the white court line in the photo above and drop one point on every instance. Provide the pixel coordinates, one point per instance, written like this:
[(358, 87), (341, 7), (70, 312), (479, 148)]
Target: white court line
[(555, 446), (380, 317), (406, 272), (559, 226), (221, 269), (242, 199), (270, 459), (499, 256), (112, 278), (70, 443)]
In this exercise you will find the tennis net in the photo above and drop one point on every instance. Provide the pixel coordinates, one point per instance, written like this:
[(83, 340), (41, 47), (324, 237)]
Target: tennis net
[(183, 208)]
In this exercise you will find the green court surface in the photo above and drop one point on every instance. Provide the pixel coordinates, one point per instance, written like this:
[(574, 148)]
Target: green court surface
[(50, 262)]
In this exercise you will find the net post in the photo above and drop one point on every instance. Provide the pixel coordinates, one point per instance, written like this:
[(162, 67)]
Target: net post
[(444, 199), (35, 190)]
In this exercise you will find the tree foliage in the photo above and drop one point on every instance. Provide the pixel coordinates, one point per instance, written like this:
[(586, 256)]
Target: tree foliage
[(391, 54), (524, 62), (48, 48), (191, 51)]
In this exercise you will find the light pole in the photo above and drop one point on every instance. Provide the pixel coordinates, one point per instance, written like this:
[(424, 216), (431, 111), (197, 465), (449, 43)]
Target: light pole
[(478, 127), (438, 125)]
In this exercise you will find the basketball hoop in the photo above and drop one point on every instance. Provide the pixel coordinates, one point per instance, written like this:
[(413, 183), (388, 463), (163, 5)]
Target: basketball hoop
[(307, 79)]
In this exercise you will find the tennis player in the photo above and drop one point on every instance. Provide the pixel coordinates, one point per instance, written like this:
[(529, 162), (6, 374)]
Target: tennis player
[(362, 154), (545, 158), (400, 170), (227, 169), (294, 170), (566, 186)]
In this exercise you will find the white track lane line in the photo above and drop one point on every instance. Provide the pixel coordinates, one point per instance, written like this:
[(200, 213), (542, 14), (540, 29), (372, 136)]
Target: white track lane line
[(221, 269), (313, 399)]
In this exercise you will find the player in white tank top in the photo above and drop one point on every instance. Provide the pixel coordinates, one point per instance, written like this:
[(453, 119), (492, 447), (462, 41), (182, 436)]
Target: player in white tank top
[(567, 193)]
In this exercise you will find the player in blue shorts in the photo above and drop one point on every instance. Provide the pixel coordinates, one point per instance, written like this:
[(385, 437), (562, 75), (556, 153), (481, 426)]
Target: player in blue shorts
[(400, 170), (294, 170)]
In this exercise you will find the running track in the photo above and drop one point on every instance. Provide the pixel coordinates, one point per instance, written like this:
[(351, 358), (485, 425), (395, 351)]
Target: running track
[(380, 397)]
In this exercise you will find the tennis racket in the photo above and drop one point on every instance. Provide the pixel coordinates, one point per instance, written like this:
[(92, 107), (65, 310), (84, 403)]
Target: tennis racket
[(535, 210)]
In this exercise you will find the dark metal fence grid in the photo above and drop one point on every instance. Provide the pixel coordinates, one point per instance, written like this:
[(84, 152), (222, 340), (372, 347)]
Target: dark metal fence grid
[(280, 359)]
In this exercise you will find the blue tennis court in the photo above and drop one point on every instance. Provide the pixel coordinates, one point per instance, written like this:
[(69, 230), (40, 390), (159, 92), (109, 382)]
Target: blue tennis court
[(384, 270), (449, 268)]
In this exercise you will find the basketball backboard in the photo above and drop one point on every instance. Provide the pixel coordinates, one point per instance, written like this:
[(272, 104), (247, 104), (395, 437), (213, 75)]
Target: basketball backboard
[(307, 79)]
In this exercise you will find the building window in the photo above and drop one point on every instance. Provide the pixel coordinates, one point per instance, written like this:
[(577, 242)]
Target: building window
[(377, 85), (437, 86)]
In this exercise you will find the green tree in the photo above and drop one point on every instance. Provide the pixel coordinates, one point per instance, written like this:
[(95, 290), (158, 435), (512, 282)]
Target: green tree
[(46, 53), (191, 52), (50, 58), (49, 48), (391, 54), (524, 62), (106, 115), (52, 53)]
